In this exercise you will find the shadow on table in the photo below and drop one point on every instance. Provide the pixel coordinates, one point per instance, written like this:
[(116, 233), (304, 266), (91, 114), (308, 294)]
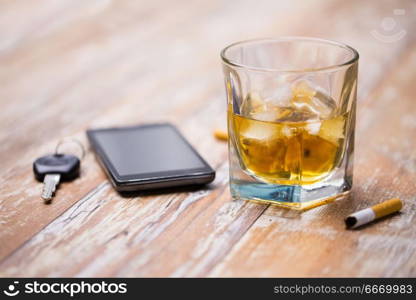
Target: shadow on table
[(164, 191)]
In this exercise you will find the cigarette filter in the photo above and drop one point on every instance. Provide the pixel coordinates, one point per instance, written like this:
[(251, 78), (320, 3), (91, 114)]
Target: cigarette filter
[(375, 212), (221, 135)]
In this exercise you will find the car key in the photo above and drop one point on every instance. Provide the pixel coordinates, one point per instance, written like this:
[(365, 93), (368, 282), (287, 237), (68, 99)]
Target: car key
[(54, 168)]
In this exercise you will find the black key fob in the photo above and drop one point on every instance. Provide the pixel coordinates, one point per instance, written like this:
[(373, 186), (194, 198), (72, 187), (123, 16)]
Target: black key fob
[(66, 165)]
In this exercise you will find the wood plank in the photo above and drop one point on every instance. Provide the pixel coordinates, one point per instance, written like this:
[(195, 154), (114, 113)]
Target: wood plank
[(385, 167)]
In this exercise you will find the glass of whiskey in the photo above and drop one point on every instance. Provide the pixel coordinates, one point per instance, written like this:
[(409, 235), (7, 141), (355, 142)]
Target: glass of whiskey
[(291, 118)]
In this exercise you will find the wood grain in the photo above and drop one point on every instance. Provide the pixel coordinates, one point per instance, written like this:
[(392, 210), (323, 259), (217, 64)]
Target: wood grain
[(71, 65)]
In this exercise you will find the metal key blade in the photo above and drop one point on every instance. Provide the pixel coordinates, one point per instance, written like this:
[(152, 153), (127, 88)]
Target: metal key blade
[(49, 185)]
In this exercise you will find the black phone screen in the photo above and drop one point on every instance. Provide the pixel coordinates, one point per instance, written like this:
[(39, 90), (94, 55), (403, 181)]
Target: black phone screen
[(143, 151)]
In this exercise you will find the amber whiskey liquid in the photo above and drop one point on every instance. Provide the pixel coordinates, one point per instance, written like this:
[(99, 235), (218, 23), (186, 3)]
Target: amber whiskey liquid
[(293, 153), (298, 142)]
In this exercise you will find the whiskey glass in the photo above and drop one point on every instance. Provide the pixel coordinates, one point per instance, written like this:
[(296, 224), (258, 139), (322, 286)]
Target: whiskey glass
[(291, 116)]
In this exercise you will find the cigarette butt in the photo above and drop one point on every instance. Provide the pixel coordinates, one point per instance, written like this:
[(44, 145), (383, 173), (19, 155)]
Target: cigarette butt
[(372, 213), (221, 134)]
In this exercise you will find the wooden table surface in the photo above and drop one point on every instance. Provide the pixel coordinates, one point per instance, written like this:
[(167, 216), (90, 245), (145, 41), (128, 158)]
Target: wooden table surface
[(69, 65)]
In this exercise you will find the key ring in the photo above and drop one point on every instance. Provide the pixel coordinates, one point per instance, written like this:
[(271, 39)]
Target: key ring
[(71, 141)]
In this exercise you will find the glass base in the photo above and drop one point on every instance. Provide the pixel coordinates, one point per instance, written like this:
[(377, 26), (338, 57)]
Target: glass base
[(290, 196)]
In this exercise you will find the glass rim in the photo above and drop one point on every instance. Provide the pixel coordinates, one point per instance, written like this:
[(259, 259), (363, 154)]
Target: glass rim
[(330, 68)]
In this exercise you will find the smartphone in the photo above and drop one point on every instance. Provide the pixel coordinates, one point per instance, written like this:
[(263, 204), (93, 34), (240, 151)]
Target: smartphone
[(148, 157)]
